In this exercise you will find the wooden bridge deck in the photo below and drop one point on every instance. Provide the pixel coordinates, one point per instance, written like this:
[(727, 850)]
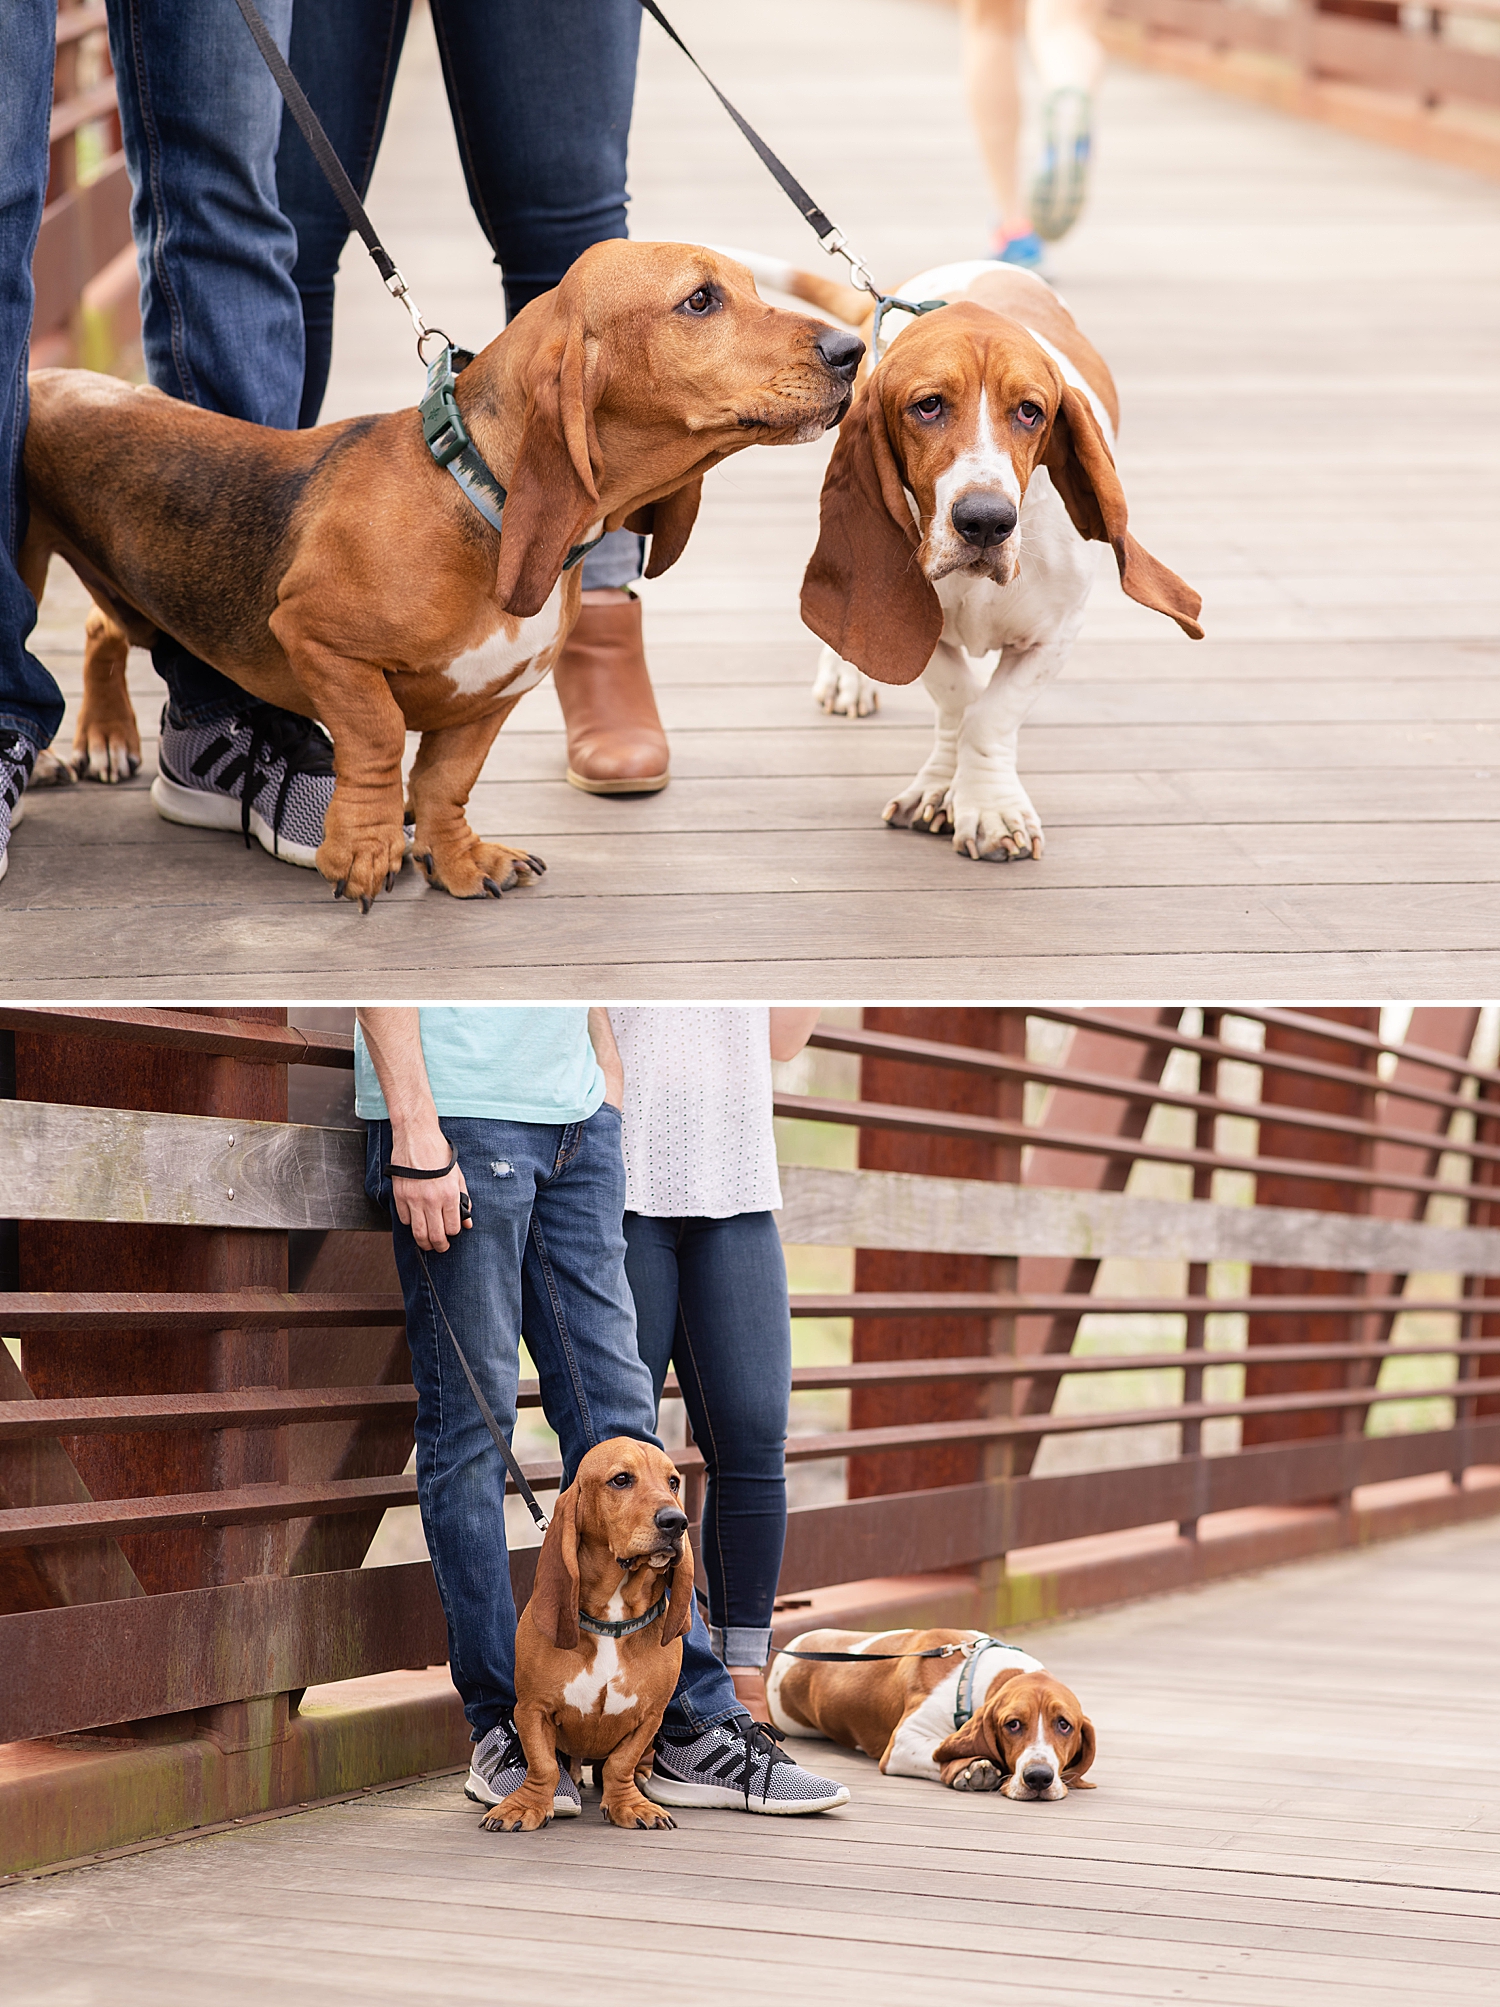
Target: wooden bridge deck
[(1306, 804), (1298, 1806)]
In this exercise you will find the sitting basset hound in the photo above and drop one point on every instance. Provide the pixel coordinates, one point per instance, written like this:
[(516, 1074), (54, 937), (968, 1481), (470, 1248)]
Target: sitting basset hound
[(955, 1706), (972, 473), (349, 574), (599, 1645)]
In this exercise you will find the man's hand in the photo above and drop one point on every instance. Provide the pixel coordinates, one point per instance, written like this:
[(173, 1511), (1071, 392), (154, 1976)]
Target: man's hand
[(429, 1206), (602, 1038)]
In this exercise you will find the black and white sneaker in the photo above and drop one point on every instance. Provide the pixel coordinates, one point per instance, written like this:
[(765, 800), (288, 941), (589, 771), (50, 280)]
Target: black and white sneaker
[(266, 773), (17, 757), (736, 1766), (498, 1766)]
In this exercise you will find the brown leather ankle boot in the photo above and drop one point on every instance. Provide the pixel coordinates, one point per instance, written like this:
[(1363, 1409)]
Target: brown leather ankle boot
[(615, 741)]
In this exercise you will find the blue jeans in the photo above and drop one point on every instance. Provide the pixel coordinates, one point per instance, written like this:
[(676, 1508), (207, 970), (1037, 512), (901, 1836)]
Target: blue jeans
[(710, 1296), (30, 701), (545, 1256), (541, 98), (221, 322)]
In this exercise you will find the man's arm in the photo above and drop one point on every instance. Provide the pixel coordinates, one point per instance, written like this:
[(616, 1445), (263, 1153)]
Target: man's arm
[(429, 1206), (602, 1038), (791, 1027)]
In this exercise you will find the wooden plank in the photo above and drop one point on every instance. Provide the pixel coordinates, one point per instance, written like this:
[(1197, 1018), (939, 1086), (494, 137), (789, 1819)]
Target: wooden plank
[(30, 1421), (108, 1164), (962, 1216), (183, 1031), (31, 1312)]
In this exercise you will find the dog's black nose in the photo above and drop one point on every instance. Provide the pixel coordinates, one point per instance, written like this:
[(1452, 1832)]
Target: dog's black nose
[(672, 1519), (840, 352), (984, 519), (1037, 1777)]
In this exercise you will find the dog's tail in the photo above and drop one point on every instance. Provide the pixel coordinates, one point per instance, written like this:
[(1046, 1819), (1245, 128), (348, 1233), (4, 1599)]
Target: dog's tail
[(845, 303)]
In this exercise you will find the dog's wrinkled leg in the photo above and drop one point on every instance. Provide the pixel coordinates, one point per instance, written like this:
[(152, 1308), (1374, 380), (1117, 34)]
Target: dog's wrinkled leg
[(624, 1804), (364, 842), (530, 1806), (106, 743), (448, 764)]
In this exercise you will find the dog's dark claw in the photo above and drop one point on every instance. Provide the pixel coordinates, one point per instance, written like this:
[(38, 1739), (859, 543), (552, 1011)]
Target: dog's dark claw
[(338, 890), (536, 865), (495, 891), (364, 904), (425, 860), (390, 879)]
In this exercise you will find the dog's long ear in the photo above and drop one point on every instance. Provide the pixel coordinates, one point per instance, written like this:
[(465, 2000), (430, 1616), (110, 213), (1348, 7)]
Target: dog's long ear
[(977, 1737), (553, 498), (680, 1616), (1083, 473), (668, 521), (864, 592), (554, 1595), (1084, 1760)]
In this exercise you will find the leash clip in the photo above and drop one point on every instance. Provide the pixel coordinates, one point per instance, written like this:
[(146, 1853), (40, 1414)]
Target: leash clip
[(883, 304)]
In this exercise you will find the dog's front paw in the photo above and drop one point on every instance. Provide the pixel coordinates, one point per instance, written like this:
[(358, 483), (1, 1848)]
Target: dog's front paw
[(52, 770), (629, 1807), (994, 820), (360, 863), (842, 690), (516, 1814), (471, 869), (980, 1775), (923, 805)]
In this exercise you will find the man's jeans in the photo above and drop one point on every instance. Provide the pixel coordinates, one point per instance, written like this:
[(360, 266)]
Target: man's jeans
[(30, 701), (541, 99), (545, 1256), (221, 323)]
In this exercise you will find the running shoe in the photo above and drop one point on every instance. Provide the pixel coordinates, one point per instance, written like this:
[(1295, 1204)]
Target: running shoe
[(17, 756), (1062, 180), (265, 772), (736, 1765), (1025, 251), (498, 1766)]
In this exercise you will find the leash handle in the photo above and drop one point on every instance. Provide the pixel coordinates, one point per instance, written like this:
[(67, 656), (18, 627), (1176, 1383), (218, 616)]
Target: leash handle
[(309, 125), (517, 1474)]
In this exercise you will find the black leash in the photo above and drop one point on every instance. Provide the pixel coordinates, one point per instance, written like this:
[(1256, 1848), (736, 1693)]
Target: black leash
[(518, 1476), (963, 1698)]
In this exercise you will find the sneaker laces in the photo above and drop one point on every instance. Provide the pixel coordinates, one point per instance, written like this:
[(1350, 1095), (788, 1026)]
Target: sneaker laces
[(274, 735), (761, 1744)]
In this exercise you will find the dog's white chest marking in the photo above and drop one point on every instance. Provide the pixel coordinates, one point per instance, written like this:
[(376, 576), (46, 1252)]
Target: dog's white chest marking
[(603, 1681), (498, 657), (925, 1727)]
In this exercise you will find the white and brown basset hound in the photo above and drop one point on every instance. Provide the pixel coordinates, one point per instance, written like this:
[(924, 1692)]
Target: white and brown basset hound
[(983, 1717), (971, 475)]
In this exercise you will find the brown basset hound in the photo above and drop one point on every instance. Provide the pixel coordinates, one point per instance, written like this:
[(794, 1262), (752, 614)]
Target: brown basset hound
[(341, 573), (988, 1719), (616, 1537)]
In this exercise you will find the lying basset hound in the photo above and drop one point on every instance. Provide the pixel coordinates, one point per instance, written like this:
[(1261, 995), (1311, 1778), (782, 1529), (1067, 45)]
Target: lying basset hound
[(982, 1717), (341, 573), (599, 1645), (974, 470)]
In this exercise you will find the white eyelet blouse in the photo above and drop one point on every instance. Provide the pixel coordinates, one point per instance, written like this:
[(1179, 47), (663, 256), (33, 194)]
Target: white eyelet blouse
[(698, 1137)]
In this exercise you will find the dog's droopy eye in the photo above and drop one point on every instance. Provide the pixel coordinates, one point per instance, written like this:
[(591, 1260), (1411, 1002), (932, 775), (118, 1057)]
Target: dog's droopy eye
[(1064, 1726), (674, 1484), (702, 301), (622, 1480), (1030, 415), (1014, 1726), (928, 408)]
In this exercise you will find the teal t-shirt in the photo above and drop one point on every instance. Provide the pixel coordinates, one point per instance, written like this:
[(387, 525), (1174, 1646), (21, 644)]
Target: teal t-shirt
[(501, 1062)]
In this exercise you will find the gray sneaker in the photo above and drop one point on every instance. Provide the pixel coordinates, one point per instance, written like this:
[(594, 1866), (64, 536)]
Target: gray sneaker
[(16, 757), (498, 1766), (267, 773), (736, 1766)]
